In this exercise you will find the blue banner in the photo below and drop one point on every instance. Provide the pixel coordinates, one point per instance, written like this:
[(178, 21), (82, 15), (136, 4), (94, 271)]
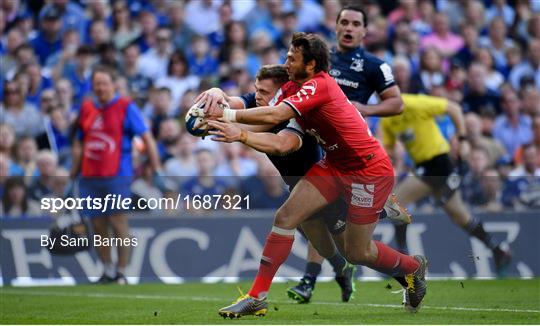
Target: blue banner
[(228, 248)]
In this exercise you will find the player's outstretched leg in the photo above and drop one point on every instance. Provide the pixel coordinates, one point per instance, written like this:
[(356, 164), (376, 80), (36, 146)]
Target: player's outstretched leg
[(416, 286), (277, 248), (245, 305)]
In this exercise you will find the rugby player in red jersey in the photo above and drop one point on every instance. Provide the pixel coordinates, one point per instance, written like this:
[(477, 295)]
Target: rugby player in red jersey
[(356, 168)]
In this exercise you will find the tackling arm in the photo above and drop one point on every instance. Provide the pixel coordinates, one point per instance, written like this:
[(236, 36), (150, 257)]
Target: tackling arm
[(281, 143), (264, 115)]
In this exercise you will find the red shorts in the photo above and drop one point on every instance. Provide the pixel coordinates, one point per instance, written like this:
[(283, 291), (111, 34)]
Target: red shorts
[(364, 190)]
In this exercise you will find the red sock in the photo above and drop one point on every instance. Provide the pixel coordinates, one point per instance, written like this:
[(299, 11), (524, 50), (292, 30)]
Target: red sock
[(275, 252), (392, 262)]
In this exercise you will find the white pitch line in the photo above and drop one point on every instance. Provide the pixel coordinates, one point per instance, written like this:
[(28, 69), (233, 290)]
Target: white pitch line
[(198, 298)]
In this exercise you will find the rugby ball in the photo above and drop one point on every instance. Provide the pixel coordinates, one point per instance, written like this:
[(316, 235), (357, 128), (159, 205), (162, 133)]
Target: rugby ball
[(195, 122)]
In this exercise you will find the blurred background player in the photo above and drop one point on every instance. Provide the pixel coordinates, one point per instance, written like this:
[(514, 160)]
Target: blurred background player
[(102, 156), (359, 74), (417, 129)]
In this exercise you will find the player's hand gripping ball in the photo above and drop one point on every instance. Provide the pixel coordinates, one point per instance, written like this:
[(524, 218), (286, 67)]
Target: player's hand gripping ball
[(195, 122)]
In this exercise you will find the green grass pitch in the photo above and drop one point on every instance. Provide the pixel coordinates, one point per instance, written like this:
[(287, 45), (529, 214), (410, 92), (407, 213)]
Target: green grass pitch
[(447, 302)]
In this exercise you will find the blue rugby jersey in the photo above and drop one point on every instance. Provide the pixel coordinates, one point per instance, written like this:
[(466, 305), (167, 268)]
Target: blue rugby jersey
[(360, 74)]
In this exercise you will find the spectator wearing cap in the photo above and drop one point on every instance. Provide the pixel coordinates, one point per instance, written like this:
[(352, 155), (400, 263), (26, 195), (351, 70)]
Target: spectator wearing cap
[(71, 13), (529, 68), (513, 128), (153, 63), (442, 37), (178, 79), (48, 39), (478, 97)]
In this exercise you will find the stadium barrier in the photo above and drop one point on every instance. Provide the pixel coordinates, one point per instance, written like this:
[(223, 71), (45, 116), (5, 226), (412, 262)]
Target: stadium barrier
[(228, 247)]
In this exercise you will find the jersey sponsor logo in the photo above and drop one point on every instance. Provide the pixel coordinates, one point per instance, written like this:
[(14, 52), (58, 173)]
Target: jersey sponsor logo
[(357, 65), (334, 72), (387, 73), (362, 195), (347, 82), (307, 90), (97, 143)]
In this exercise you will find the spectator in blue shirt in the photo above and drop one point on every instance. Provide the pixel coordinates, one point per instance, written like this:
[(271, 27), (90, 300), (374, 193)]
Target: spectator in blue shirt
[(38, 83), (48, 39), (512, 129)]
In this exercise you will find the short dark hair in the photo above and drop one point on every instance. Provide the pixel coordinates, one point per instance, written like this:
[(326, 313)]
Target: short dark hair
[(353, 8), (312, 48), (277, 73), (106, 70)]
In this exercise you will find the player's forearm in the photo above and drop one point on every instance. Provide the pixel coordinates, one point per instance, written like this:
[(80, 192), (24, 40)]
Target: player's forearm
[(389, 107), (264, 115), (267, 142)]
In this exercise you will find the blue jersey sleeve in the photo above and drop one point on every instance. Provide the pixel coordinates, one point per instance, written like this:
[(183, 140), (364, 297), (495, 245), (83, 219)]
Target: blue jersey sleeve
[(249, 100), (380, 73), (134, 123)]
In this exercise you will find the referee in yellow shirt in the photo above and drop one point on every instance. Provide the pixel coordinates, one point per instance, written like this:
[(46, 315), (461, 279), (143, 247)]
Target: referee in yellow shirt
[(435, 173)]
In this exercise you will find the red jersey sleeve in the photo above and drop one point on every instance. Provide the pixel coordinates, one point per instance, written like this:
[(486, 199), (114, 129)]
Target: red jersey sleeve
[(311, 95)]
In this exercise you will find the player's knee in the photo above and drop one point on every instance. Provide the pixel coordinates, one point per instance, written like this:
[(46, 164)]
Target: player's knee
[(358, 256), (283, 219)]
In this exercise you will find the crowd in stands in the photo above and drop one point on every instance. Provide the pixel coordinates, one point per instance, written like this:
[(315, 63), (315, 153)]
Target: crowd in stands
[(483, 54)]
